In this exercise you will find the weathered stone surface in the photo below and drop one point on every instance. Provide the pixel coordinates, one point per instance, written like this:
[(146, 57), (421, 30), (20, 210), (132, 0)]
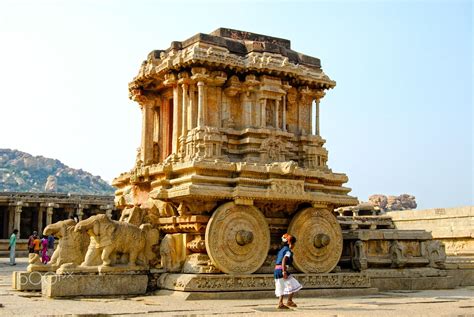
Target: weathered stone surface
[(27, 281), (109, 238), (93, 285), (256, 282), (454, 227)]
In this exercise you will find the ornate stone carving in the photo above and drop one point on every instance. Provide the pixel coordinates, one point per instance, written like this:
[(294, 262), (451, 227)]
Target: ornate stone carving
[(288, 187), (396, 254), (258, 282), (173, 252), (109, 237), (435, 251), (359, 258), (319, 240), (237, 238), (133, 215), (272, 150)]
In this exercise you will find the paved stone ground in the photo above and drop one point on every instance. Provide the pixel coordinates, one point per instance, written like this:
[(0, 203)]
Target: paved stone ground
[(457, 302)]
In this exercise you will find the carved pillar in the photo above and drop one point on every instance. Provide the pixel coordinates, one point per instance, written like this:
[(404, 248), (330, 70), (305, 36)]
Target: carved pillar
[(176, 111), (40, 219), (277, 106), (147, 131), (184, 110), (247, 108), (201, 104), (191, 106), (18, 210), (318, 132), (284, 114), (263, 115), (80, 212), (49, 214)]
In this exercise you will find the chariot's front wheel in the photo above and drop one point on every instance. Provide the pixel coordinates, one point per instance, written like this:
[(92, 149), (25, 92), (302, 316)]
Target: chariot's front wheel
[(318, 245), (237, 238)]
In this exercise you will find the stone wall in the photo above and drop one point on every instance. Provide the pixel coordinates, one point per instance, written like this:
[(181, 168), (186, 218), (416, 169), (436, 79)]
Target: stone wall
[(453, 226)]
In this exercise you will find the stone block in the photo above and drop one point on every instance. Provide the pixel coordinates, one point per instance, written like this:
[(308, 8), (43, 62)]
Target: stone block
[(66, 285), (27, 281), (258, 282)]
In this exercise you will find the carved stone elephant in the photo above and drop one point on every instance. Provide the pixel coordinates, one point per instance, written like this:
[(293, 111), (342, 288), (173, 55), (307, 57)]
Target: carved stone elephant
[(109, 237), (72, 245)]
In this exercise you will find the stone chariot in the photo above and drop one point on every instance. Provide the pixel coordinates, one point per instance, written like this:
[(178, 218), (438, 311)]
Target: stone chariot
[(231, 156)]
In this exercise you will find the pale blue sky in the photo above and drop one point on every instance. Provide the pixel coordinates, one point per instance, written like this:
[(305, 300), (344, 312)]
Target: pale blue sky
[(400, 119)]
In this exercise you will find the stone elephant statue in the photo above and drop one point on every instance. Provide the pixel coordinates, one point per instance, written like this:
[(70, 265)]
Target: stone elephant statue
[(109, 238), (72, 245)]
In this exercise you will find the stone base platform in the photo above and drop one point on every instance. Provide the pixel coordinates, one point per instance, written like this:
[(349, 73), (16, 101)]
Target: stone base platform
[(66, 285), (258, 282), (411, 279)]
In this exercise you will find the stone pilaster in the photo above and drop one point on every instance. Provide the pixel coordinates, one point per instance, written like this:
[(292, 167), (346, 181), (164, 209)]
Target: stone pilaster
[(176, 111), (80, 211), (49, 214), (40, 219), (201, 104), (283, 119), (18, 210), (318, 132), (263, 113)]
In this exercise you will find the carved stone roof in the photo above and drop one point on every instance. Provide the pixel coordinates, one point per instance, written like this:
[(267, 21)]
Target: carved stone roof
[(233, 49), (243, 43)]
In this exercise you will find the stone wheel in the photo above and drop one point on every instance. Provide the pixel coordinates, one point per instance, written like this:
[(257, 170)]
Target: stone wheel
[(318, 245), (237, 238)]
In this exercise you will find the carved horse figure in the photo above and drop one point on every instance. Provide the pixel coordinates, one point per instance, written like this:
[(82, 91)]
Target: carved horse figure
[(72, 245), (109, 237)]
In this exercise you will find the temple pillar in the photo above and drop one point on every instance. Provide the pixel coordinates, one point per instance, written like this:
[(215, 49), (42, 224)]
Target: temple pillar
[(277, 106), (176, 107), (147, 132), (263, 114), (17, 221), (247, 108), (185, 99), (80, 212), (40, 219), (191, 107), (283, 119), (49, 214), (318, 132), (201, 104)]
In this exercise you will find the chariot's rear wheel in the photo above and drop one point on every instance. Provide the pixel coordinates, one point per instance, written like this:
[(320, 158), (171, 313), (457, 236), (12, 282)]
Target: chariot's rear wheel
[(237, 238), (318, 245)]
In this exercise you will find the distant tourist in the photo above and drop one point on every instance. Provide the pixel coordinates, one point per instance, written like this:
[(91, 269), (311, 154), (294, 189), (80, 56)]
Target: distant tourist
[(285, 284), (50, 245), (31, 244), (44, 250), (12, 247), (37, 245)]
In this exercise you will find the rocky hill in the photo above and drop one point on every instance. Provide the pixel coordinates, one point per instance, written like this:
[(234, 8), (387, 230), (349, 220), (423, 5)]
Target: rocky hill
[(22, 172)]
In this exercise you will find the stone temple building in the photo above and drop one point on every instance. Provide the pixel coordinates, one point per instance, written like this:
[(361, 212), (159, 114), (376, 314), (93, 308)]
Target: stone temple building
[(232, 155)]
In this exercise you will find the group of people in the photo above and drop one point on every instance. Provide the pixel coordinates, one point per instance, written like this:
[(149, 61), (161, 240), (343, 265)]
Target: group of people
[(39, 244), (42, 245)]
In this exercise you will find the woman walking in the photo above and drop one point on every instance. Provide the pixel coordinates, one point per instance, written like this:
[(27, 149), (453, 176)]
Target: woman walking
[(285, 284)]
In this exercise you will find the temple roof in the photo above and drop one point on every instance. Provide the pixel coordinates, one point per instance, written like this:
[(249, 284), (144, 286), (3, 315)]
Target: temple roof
[(242, 43)]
